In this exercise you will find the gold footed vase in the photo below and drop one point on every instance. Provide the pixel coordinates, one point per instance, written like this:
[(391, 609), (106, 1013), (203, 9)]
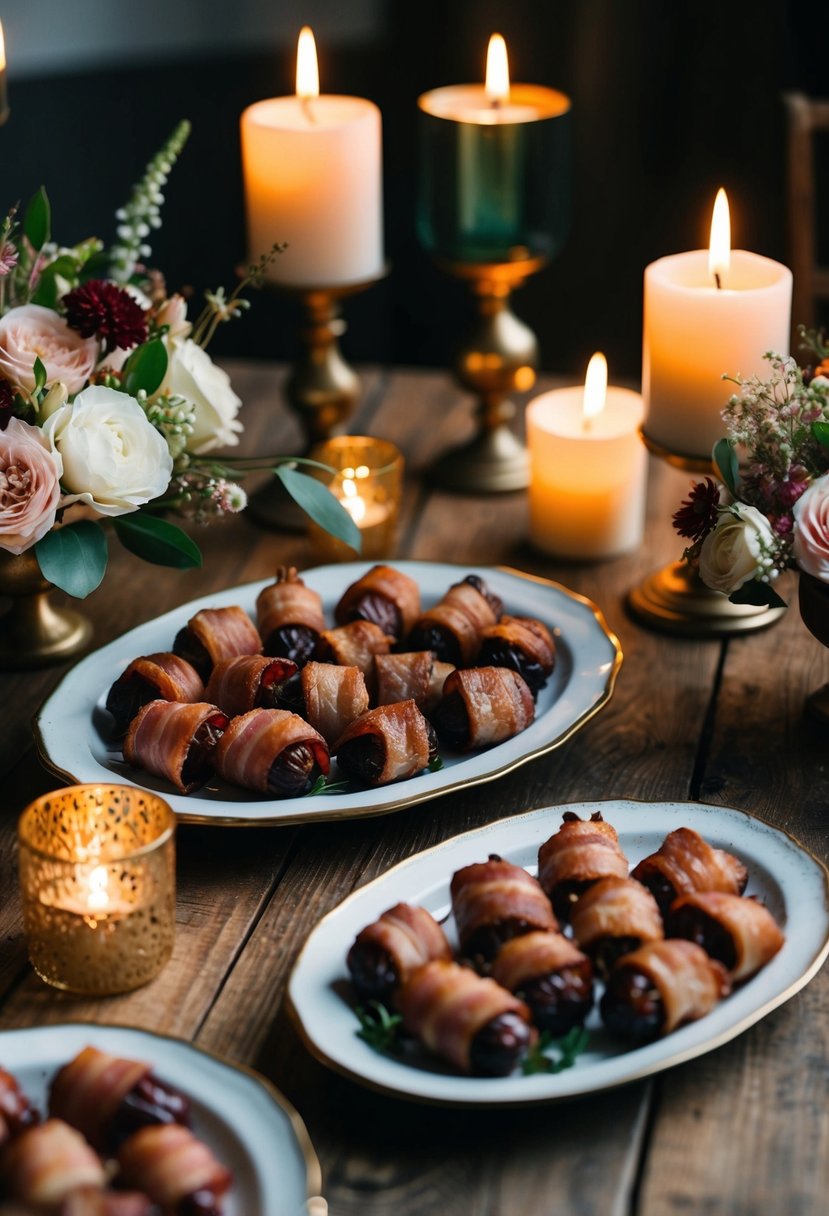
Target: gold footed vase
[(33, 632), (813, 596)]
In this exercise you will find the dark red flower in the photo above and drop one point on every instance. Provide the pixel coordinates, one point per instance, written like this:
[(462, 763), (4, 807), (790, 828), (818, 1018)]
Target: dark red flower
[(108, 311), (6, 404), (698, 514)]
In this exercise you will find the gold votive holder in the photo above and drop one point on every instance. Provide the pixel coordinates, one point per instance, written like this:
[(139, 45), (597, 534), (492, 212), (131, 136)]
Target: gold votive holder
[(368, 481), (97, 882)]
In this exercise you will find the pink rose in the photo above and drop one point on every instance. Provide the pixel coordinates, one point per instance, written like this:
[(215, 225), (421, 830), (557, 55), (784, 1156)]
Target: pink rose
[(811, 529), (30, 475), (31, 331)]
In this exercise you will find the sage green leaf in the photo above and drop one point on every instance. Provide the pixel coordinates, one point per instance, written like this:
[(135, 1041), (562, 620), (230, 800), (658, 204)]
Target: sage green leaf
[(757, 593), (820, 430), (146, 368), (74, 558), (38, 219), (155, 540), (321, 505), (725, 458)]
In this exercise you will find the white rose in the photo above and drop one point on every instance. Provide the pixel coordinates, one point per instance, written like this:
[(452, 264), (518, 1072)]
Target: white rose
[(113, 457), (811, 529), (732, 554), (193, 374)]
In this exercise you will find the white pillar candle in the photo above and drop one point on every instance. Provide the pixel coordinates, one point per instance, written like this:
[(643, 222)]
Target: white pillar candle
[(588, 474), (694, 332), (313, 179)]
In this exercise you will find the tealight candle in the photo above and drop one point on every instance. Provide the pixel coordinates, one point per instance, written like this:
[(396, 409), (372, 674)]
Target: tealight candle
[(588, 468), (97, 878), (312, 172), (707, 313), (4, 98), (368, 482)]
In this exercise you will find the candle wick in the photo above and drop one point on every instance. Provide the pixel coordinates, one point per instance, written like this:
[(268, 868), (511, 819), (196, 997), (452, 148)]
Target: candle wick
[(305, 102), (718, 280)]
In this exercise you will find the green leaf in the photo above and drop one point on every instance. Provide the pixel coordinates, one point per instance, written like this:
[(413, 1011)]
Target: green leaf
[(725, 458), (758, 594), (569, 1048), (38, 219), (820, 430), (74, 558), (46, 293), (96, 266), (39, 374), (320, 504), (157, 541), (378, 1027), (146, 368)]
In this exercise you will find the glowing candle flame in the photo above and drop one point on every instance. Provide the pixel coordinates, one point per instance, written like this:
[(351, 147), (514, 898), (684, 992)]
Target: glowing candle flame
[(595, 387), (98, 897), (719, 249), (497, 71), (353, 502), (307, 71), (2, 48)]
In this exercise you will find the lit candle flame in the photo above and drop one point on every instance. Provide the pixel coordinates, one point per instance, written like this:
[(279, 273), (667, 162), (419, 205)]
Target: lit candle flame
[(353, 502), (719, 249), (2, 48), (497, 71), (307, 71), (595, 388), (98, 897)]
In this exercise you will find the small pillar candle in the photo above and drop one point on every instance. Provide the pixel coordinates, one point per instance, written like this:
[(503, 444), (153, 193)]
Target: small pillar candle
[(4, 97), (588, 469), (368, 480), (97, 880), (708, 312)]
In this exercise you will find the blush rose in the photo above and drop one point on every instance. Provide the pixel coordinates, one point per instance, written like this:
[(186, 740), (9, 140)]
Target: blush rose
[(30, 475), (811, 529), (31, 332)]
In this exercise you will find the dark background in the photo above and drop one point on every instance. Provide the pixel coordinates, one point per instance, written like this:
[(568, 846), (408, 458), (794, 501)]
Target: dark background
[(671, 98)]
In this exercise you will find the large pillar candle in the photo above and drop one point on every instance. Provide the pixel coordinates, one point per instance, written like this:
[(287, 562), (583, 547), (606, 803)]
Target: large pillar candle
[(706, 317), (312, 173)]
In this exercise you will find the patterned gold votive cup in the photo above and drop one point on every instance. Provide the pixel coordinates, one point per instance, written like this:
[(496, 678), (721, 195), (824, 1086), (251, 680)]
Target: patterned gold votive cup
[(368, 482), (97, 881)]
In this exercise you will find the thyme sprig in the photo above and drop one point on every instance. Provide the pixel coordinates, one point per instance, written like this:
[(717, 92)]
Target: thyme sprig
[(379, 1027)]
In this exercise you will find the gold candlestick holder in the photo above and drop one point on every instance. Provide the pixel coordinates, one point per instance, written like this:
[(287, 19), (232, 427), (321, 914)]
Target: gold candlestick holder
[(498, 357), (675, 600)]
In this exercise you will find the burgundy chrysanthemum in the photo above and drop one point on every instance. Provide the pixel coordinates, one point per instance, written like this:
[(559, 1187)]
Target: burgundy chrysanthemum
[(697, 515), (6, 404), (108, 311)]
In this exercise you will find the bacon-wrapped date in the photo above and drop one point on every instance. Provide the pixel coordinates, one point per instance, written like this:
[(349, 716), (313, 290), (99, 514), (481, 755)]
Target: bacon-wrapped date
[(248, 681), (466, 1019), (16, 1112), (47, 1163), (551, 975), (452, 628), (215, 634), (614, 917), (272, 751), (659, 987), (175, 1169), (389, 743), (354, 645), (328, 697), (580, 853), (493, 901), (740, 933), (482, 706), (417, 676), (522, 643), (107, 1098), (175, 741), (684, 863), (388, 951), (383, 595), (153, 677), (290, 617)]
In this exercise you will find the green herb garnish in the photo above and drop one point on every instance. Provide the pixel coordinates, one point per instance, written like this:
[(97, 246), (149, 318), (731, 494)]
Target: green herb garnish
[(378, 1027), (435, 764), (323, 786), (568, 1048)]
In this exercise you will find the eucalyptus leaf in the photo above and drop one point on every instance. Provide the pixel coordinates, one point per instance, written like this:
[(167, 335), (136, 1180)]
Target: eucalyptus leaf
[(157, 541), (820, 430), (725, 458), (317, 501), (38, 220), (74, 558), (758, 594), (146, 368)]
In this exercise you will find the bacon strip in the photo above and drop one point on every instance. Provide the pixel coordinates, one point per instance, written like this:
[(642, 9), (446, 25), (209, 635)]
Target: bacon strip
[(334, 697), (532, 956), (234, 684), (526, 634), (48, 1162), (252, 743), (225, 632), (161, 734), (389, 584), (684, 863), (173, 678), (463, 612), (169, 1163), (496, 892), (754, 933), (415, 676), (688, 981), (497, 700), (87, 1092), (409, 935), (403, 733), (582, 850), (355, 645), (615, 907), (288, 602), (446, 1005), (108, 1203)]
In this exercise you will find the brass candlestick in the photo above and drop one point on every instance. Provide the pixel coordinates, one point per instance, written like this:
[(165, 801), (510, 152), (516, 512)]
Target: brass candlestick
[(498, 357), (675, 599)]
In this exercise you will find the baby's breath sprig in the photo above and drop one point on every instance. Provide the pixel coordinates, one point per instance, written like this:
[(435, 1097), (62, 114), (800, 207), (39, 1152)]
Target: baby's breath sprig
[(142, 212), (220, 307), (173, 415)]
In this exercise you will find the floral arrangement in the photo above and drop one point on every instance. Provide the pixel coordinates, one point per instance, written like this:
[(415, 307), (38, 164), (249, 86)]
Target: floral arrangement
[(109, 403), (774, 463)]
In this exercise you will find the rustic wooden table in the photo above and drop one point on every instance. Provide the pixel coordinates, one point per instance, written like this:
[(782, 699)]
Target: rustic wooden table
[(744, 1129)]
